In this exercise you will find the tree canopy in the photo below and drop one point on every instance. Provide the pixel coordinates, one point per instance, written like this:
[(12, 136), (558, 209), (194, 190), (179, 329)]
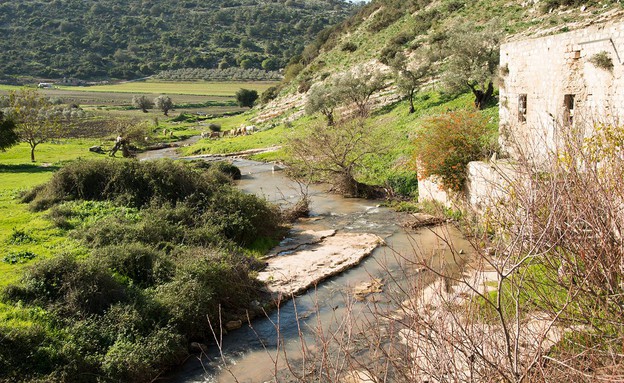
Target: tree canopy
[(473, 61), (135, 38), (8, 135), (246, 97), (36, 119), (164, 103)]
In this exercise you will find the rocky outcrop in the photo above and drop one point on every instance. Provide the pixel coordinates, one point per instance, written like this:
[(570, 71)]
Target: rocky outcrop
[(306, 264)]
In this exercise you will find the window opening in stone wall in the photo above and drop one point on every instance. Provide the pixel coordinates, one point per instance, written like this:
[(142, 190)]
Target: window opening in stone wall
[(568, 109), (522, 107)]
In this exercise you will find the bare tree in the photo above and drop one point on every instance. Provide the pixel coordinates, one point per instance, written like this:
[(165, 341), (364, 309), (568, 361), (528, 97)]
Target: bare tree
[(336, 154)]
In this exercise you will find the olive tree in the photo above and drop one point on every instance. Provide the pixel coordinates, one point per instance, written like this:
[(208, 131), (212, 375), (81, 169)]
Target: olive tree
[(142, 102), (8, 134), (473, 61), (357, 89), (164, 103), (35, 117), (337, 154), (324, 99), (246, 97), (410, 77)]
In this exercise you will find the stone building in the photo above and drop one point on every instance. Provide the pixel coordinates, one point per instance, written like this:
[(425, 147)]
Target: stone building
[(549, 86), (553, 83)]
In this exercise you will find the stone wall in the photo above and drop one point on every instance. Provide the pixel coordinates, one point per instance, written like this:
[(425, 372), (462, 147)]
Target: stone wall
[(431, 189), (487, 186), (546, 70)]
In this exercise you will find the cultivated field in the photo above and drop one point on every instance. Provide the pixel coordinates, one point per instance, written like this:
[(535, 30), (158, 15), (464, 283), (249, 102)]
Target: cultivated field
[(205, 97), (201, 88)]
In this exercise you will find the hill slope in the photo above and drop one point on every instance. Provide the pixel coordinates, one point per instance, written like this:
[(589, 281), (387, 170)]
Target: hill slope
[(134, 38), (361, 42)]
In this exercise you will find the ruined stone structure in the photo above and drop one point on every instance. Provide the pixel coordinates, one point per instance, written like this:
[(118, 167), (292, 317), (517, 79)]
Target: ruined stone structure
[(554, 83), (549, 86)]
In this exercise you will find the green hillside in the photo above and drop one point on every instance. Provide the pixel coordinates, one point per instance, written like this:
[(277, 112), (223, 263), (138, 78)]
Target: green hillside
[(385, 26), (129, 39)]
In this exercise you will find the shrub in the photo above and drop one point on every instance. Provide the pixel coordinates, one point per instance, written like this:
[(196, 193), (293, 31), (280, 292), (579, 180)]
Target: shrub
[(19, 257), (246, 97), (132, 183), (62, 283), (241, 217), (269, 94), (19, 236), (349, 47), (402, 38), (447, 143), (384, 18), (214, 127), (25, 343), (602, 60), (403, 184), (204, 280), (141, 359), (219, 167), (304, 85), (228, 169), (141, 264)]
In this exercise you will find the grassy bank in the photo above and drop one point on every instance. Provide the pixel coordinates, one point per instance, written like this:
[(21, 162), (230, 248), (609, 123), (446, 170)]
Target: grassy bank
[(118, 263), (394, 165)]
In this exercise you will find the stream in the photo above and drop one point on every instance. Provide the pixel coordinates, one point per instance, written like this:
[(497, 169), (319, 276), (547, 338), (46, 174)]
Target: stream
[(250, 352)]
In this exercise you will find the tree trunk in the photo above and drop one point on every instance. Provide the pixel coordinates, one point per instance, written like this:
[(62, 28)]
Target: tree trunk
[(411, 102), (481, 97), (330, 118), (32, 153)]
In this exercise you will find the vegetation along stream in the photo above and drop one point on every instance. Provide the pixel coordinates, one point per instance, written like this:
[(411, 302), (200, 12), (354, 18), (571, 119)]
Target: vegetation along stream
[(254, 353)]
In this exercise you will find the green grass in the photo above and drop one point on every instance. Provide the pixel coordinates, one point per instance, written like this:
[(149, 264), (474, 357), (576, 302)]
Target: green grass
[(263, 139), (401, 125), (165, 87), (18, 174), (50, 153), (9, 87)]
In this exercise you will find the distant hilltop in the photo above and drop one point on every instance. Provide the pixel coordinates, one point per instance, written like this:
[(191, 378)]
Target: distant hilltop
[(132, 39)]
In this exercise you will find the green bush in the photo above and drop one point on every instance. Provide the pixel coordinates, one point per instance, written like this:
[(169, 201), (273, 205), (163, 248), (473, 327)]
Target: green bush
[(131, 183), (223, 167), (448, 142), (157, 270), (74, 288), (18, 257), (141, 264), (349, 47), (602, 60), (204, 281), (126, 359), (403, 184), (214, 127), (269, 94), (385, 17), (25, 353), (243, 218)]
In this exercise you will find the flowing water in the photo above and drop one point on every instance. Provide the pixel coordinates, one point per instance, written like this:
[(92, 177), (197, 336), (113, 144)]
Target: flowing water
[(250, 352)]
